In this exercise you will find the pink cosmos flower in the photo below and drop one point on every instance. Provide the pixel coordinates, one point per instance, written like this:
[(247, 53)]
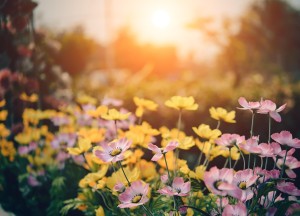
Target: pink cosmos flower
[(64, 140), (279, 152), (220, 182), (269, 107), (288, 188), (286, 138), (266, 150), (248, 105), (160, 151), (265, 175), (113, 151), (134, 195), (232, 210), (244, 179), (120, 187), (179, 188), (251, 145), (290, 164), (229, 140)]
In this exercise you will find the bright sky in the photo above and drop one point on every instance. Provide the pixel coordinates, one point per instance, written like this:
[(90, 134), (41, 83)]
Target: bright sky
[(102, 18)]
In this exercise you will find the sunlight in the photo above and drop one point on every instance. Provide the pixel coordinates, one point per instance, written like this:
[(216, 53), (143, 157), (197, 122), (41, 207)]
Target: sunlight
[(161, 18)]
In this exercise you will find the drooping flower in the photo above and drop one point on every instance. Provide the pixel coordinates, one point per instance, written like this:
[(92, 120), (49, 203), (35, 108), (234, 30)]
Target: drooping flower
[(113, 151), (144, 104), (248, 105), (229, 140), (269, 107), (114, 114), (178, 188), (232, 210), (160, 151), (182, 103), (288, 188), (266, 150), (134, 195), (220, 182), (251, 145), (289, 164), (83, 146), (220, 113), (279, 152), (286, 138)]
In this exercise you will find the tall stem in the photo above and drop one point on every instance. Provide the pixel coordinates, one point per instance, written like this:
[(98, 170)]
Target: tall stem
[(116, 128), (252, 124), (229, 158), (219, 124), (169, 176), (147, 210), (124, 173)]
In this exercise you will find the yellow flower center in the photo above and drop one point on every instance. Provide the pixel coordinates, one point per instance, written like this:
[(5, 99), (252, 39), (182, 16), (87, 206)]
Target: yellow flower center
[(136, 199), (242, 185), (115, 152)]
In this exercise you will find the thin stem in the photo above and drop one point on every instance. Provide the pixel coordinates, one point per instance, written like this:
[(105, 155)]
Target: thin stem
[(249, 160), (124, 173), (241, 153), (229, 158), (219, 124), (140, 120), (147, 210), (261, 162), (283, 165), (254, 164), (104, 200), (226, 162), (252, 124), (116, 128), (169, 176), (269, 138)]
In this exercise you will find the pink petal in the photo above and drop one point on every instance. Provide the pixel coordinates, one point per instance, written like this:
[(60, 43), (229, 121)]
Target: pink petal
[(171, 146), (275, 116), (243, 102), (154, 148), (157, 156), (281, 108)]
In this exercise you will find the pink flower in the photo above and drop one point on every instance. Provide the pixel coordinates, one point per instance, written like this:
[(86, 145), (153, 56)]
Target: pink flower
[(179, 188), (220, 182), (120, 187), (113, 151), (248, 105), (229, 140), (134, 195), (244, 179), (286, 138), (265, 175), (290, 164), (288, 188), (279, 152), (266, 150), (269, 107), (232, 210), (266, 201), (251, 145), (160, 151)]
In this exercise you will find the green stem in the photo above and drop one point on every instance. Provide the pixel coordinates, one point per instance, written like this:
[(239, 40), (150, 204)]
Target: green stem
[(147, 210), (169, 176), (283, 165), (252, 124), (124, 173), (116, 128), (229, 158), (249, 160)]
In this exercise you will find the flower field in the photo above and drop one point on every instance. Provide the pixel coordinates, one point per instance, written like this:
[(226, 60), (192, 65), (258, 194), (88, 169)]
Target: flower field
[(99, 158)]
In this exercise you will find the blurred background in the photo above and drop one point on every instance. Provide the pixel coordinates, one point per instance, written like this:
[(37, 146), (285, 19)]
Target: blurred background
[(215, 51)]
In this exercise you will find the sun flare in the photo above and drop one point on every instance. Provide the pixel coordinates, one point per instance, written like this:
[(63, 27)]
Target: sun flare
[(161, 18)]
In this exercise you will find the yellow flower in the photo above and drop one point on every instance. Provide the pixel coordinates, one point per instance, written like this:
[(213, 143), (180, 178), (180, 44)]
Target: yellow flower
[(32, 98), (234, 154), (185, 142), (141, 134), (205, 132), (83, 146), (3, 115), (100, 211), (148, 171), (199, 172), (23, 138), (95, 135), (7, 149), (114, 114), (98, 112), (182, 103), (91, 178), (118, 176), (220, 113), (2, 103), (143, 104), (4, 132), (85, 99), (170, 160)]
